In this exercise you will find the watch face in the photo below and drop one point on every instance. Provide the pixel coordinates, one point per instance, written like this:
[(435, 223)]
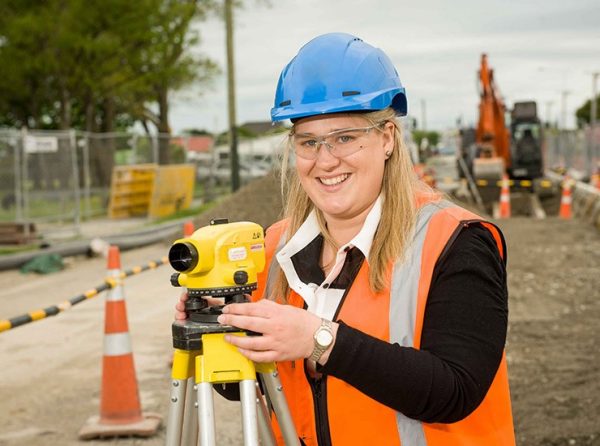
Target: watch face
[(324, 338)]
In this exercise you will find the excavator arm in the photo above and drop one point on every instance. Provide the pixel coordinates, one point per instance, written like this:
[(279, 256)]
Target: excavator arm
[(491, 136)]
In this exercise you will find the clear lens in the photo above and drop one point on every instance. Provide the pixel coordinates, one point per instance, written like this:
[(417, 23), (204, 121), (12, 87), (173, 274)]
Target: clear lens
[(340, 143), (183, 257)]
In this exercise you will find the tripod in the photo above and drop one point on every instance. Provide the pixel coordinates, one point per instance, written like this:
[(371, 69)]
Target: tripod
[(202, 358)]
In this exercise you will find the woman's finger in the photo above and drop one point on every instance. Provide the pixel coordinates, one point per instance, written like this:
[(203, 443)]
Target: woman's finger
[(258, 309), (256, 324), (255, 343), (258, 356), (213, 301)]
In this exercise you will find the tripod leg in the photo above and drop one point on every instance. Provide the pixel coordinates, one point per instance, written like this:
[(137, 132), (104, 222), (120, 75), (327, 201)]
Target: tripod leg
[(206, 414), (176, 408), (190, 416), (249, 415), (183, 369), (274, 391), (264, 422)]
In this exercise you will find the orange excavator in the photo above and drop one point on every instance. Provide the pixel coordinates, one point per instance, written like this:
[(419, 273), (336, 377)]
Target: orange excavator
[(492, 139), (494, 148)]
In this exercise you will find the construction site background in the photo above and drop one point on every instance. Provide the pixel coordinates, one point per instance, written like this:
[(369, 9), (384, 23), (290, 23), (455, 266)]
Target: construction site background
[(65, 176), (62, 179)]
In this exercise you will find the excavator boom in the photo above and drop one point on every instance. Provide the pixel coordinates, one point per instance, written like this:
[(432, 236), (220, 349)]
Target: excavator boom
[(491, 128)]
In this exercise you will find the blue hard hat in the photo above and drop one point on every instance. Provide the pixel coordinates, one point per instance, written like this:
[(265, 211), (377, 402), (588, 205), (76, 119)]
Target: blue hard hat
[(335, 73)]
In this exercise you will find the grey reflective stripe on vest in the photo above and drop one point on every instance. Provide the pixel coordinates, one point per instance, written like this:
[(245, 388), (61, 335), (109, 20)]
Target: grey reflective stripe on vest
[(273, 268), (403, 309)]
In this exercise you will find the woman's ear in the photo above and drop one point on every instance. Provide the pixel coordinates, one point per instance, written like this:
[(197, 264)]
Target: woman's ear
[(388, 132)]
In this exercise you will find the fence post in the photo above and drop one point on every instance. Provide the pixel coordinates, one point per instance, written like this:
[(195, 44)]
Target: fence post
[(87, 180), (19, 148), (24, 179), (155, 148), (134, 149), (76, 190)]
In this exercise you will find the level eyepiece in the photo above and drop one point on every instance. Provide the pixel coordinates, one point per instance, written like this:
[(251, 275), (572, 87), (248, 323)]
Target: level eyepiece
[(183, 257)]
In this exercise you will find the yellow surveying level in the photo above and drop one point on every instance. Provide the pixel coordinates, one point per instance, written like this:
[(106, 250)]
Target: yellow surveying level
[(220, 260)]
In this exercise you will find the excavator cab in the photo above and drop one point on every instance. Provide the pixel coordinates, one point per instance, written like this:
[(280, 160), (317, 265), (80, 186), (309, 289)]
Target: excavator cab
[(526, 142)]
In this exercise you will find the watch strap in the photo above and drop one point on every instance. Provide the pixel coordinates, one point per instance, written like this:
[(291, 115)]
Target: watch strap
[(320, 349)]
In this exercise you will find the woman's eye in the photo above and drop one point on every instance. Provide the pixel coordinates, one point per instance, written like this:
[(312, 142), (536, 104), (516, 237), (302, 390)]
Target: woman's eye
[(309, 143), (344, 139)]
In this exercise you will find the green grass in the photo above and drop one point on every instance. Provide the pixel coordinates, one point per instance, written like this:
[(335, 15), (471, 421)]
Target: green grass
[(6, 250), (189, 212), (40, 208)]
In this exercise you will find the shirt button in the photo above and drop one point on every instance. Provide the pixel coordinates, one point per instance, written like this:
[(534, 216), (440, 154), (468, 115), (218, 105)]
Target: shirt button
[(325, 285)]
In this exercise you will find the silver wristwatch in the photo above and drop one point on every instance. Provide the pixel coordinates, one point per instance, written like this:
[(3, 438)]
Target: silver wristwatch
[(323, 339)]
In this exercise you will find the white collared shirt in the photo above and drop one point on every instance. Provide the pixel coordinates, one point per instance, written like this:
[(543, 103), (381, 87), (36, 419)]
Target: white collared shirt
[(320, 299)]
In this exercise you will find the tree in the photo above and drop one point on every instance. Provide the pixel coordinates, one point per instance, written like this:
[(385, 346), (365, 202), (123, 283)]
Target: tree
[(168, 65), (25, 86), (583, 114), (432, 136), (96, 65)]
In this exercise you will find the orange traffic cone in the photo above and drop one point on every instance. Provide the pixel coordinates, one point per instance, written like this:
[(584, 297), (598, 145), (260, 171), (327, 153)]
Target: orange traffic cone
[(188, 228), (595, 180), (505, 198), (120, 410), (565, 200)]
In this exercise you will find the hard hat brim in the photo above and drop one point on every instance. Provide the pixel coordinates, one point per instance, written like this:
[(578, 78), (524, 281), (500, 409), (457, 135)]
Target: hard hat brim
[(395, 98)]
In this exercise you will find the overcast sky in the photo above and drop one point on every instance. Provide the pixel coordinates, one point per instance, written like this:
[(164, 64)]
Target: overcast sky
[(537, 48)]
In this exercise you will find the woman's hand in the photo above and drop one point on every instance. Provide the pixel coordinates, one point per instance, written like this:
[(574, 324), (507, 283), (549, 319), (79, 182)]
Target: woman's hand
[(180, 313), (287, 331)]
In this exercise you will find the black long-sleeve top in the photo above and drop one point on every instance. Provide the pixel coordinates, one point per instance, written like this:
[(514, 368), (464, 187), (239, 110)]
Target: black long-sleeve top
[(462, 340)]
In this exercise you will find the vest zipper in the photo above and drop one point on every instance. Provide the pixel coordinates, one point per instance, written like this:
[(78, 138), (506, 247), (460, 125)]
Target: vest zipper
[(319, 391)]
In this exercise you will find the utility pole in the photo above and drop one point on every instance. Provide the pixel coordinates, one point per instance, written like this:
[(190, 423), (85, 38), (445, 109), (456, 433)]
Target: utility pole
[(233, 140), (593, 116), (563, 109), (423, 115), (549, 105), (555, 147), (563, 125)]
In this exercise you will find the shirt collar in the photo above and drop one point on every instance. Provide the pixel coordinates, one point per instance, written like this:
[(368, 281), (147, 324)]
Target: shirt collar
[(364, 239), (310, 229)]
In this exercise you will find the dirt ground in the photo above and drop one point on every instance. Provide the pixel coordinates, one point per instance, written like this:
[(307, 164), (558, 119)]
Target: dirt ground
[(50, 369)]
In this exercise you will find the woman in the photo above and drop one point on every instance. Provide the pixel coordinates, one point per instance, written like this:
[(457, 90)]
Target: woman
[(384, 306)]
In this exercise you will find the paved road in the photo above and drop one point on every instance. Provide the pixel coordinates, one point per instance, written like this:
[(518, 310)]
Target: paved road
[(51, 369)]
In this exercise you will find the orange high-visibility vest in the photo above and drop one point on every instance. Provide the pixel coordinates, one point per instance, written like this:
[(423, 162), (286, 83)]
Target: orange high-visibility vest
[(396, 316)]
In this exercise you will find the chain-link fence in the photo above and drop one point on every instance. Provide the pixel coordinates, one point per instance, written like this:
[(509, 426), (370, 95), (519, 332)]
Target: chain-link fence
[(65, 176), (574, 150)]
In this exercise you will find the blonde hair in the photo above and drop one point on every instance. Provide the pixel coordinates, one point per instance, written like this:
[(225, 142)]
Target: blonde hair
[(394, 232)]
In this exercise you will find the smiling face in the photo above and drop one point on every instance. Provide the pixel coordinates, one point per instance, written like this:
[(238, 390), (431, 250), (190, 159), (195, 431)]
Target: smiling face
[(344, 188)]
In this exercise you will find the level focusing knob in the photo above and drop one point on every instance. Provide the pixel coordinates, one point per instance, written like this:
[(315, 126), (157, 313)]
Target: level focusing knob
[(240, 277)]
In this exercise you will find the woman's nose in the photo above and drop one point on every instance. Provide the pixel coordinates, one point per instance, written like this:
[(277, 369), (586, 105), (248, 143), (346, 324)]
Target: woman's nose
[(324, 155)]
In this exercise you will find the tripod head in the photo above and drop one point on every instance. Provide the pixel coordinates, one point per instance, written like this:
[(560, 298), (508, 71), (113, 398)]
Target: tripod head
[(219, 260)]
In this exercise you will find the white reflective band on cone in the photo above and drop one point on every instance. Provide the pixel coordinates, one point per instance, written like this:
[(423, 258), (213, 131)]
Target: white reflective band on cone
[(117, 344), (116, 294)]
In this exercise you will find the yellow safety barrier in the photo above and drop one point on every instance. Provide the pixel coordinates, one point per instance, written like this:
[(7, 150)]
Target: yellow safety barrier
[(150, 190), (513, 183), (110, 282)]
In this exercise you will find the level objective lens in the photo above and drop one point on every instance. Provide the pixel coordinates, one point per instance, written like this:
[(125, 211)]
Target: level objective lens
[(183, 257)]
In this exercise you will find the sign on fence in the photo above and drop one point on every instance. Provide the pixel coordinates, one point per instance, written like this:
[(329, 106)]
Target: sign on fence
[(41, 144)]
